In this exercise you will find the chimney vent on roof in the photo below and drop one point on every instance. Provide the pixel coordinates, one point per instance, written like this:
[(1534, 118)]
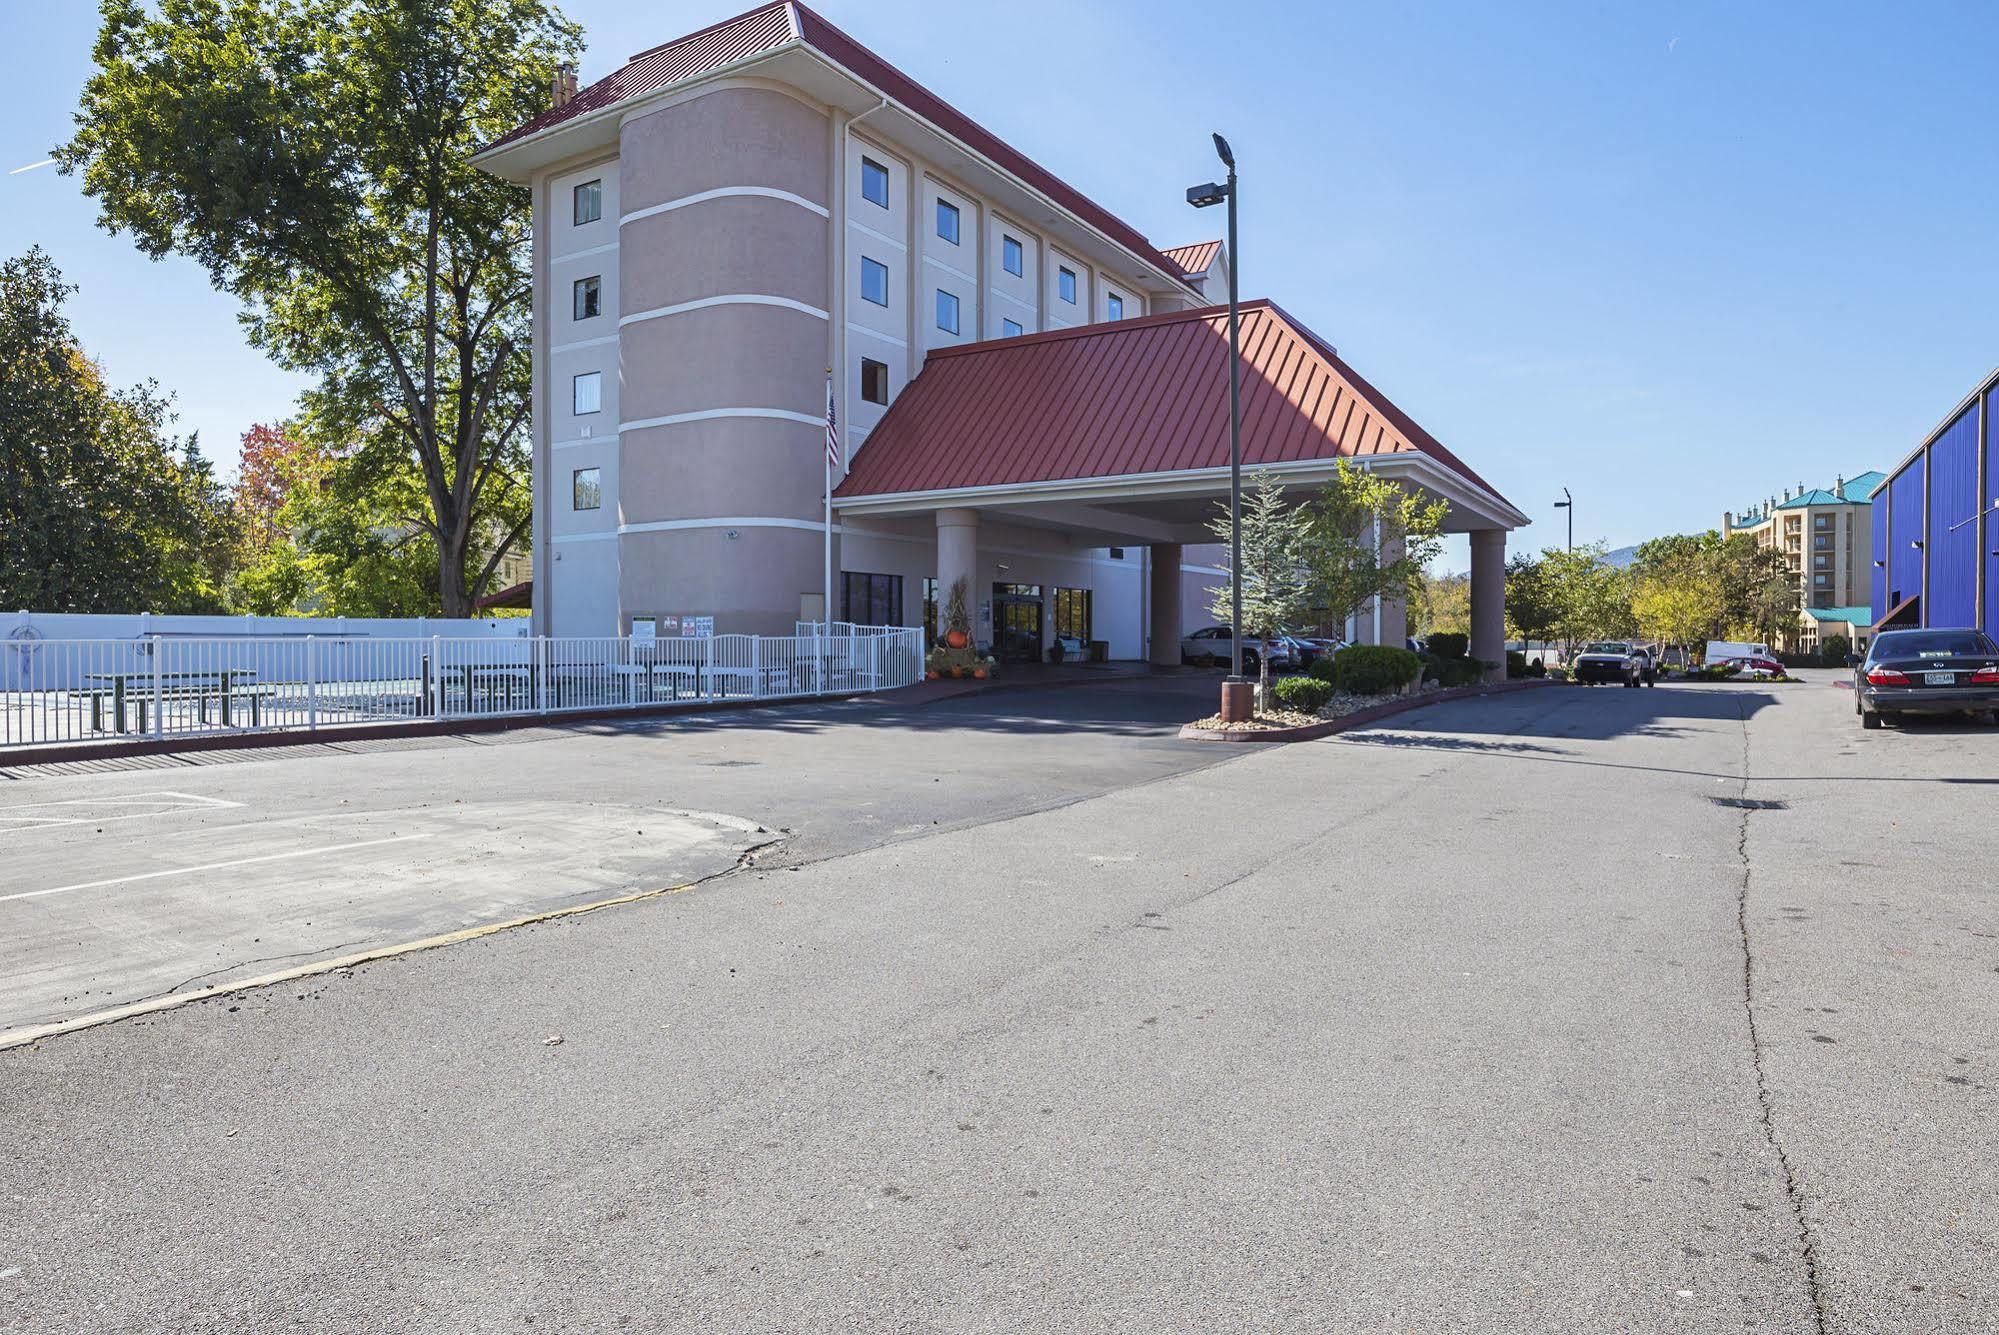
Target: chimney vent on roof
[(1787, 493), (563, 89), (1839, 486)]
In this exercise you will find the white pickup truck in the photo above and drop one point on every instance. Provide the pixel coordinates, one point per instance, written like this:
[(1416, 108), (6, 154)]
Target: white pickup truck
[(1615, 661)]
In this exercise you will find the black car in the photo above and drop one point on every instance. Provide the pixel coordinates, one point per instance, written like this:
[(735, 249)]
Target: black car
[(1927, 672)]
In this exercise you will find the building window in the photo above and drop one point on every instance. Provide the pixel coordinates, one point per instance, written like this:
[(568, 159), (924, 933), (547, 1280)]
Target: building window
[(1822, 562), (586, 489), (588, 293), (1012, 257), (947, 221), (1065, 285), (1117, 553), (1072, 614), (1821, 521), (1821, 579), (874, 281), (1822, 541), (589, 200), (870, 600), (874, 182), (586, 393), (1010, 328), (1116, 306), (947, 311), (929, 611), (874, 381)]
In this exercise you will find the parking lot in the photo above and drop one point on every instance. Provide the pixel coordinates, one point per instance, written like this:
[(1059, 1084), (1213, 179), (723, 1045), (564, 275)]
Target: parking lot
[(1567, 1010)]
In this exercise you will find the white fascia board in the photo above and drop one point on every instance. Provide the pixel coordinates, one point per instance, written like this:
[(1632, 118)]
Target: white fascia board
[(1419, 467)]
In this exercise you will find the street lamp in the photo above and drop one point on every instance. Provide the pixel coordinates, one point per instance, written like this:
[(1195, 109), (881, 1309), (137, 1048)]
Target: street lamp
[(1568, 503), (1201, 197)]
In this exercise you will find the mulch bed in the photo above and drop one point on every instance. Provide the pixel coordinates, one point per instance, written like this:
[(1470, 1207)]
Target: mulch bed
[(1211, 730)]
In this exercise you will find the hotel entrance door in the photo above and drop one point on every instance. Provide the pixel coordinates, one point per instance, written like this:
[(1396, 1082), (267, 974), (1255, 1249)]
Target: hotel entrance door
[(1017, 623)]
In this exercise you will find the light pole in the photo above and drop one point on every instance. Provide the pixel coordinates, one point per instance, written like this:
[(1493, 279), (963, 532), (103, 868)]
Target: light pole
[(1568, 503), (1201, 197)]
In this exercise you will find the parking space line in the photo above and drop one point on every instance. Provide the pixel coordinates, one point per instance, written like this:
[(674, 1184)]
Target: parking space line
[(54, 815), (211, 866)]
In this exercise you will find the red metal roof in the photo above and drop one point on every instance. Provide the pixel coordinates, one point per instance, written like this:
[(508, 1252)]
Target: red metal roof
[(772, 26), (1196, 258), (1130, 396)]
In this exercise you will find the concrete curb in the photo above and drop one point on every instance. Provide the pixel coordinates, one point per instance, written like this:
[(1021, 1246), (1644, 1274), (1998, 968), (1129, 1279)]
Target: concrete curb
[(1372, 714), (61, 752)]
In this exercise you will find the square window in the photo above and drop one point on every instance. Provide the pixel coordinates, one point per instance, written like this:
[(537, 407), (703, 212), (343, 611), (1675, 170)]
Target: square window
[(874, 281), (947, 311), (586, 393), (588, 295), (589, 199), (1010, 328), (1065, 285), (874, 182), (1013, 258), (1116, 305), (586, 489), (874, 380), (947, 221)]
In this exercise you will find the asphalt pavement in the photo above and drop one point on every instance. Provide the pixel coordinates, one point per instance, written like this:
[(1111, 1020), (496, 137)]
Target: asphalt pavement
[(1569, 1010)]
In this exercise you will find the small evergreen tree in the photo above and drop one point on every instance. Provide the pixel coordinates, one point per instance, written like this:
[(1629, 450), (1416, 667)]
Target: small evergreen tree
[(1273, 569)]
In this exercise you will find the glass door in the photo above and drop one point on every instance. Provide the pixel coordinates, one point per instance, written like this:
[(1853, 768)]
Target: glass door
[(1017, 623)]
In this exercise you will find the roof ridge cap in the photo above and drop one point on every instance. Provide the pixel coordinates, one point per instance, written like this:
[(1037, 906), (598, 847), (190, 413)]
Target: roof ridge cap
[(1097, 327)]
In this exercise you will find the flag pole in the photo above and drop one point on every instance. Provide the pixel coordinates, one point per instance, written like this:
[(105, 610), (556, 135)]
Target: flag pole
[(826, 591)]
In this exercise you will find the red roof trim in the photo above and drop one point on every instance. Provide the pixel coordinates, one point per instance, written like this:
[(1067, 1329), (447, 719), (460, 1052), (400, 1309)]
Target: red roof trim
[(1197, 258), (790, 13), (1129, 397)]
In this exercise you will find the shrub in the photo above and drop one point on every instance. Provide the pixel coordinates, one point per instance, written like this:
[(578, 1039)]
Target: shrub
[(1537, 668), (1834, 649), (1306, 695), (1459, 672), (1447, 644), (1516, 663), (1375, 669), (1324, 669)]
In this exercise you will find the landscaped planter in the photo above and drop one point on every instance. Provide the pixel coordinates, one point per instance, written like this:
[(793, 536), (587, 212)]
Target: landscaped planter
[(1386, 709)]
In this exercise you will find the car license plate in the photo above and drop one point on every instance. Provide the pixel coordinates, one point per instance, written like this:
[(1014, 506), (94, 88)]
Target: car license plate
[(1940, 678)]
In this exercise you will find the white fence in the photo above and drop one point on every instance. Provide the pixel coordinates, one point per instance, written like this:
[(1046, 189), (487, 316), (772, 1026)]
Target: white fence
[(170, 686)]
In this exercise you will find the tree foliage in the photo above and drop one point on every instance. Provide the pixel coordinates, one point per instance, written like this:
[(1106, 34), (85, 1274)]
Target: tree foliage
[(313, 156), (1587, 598), (1441, 605), (1348, 564), (101, 508), (1273, 574)]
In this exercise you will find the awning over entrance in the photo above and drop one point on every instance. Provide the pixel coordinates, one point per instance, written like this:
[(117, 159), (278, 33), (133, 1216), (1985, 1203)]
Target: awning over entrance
[(1119, 432)]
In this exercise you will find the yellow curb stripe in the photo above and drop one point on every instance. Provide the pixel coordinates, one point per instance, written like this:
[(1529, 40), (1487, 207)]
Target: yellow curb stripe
[(23, 1037)]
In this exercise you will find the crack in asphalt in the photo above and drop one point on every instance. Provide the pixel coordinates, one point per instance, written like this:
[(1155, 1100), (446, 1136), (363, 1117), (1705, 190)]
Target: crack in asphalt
[(1793, 1191)]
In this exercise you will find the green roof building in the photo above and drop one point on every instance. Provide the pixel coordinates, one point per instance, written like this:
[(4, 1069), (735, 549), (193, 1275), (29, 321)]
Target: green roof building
[(1825, 535)]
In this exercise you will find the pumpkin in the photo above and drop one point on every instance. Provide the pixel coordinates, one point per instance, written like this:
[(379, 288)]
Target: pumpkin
[(955, 638), (979, 673)]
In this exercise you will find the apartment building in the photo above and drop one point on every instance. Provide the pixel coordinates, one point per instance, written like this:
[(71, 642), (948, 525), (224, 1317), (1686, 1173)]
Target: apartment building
[(736, 216), (1823, 534)]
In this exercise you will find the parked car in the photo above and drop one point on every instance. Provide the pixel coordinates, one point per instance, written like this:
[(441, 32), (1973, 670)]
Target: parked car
[(1211, 643), (1614, 661), (1306, 650), (1926, 672)]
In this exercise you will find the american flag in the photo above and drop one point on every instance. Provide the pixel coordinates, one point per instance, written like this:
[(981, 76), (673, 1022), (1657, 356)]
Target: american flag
[(832, 429)]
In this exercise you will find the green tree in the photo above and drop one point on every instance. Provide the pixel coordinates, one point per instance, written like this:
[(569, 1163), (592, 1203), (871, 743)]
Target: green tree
[(1530, 608), (1346, 562), (1590, 598), (101, 508), (313, 156), (1273, 569), (1442, 603)]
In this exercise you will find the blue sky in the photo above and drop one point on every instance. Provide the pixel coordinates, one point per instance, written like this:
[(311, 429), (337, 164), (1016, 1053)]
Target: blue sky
[(1672, 256)]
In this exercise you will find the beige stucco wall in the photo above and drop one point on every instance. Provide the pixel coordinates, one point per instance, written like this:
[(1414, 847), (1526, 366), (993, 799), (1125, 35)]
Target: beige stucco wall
[(736, 477)]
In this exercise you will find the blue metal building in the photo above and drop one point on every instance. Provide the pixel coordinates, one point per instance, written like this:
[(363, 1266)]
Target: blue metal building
[(1936, 533)]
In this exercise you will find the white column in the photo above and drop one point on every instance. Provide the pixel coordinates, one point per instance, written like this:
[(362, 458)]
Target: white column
[(1392, 623), (1163, 595), (1488, 598), (958, 558)]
